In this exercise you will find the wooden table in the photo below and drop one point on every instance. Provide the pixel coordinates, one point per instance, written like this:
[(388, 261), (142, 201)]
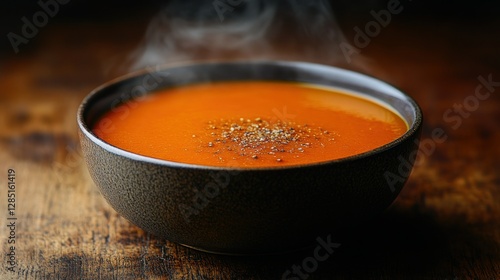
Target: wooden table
[(444, 225)]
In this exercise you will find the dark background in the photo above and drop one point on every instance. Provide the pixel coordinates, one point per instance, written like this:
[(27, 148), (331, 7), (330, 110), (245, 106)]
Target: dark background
[(348, 13)]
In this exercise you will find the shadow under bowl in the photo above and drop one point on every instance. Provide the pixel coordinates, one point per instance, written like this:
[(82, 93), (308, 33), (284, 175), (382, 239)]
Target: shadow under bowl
[(247, 210)]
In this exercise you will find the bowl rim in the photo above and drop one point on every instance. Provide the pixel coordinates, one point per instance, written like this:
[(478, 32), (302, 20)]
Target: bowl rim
[(413, 128)]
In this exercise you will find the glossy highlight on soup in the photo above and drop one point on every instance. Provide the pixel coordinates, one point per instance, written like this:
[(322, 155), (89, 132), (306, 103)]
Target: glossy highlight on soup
[(250, 124)]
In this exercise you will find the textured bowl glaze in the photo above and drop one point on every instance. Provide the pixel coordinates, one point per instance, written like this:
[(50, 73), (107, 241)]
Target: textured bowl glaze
[(249, 210)]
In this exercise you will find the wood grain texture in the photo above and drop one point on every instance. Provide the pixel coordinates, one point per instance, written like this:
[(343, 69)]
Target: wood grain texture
[(445, 224)]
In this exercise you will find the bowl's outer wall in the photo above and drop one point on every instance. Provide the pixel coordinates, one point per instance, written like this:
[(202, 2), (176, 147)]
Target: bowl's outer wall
[(254, 211), (247, 211)]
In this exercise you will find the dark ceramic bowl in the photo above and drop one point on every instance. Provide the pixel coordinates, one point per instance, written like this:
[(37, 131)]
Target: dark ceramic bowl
[(247, 210)]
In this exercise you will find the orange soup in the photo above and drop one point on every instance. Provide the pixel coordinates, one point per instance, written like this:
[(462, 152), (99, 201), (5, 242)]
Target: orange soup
[(250, 124)]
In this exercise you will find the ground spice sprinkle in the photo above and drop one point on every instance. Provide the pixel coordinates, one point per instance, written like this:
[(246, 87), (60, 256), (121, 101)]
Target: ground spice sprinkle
[(257, 137)]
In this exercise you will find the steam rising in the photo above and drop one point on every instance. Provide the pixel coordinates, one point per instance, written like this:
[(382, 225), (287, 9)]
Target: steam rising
[(241, 30)]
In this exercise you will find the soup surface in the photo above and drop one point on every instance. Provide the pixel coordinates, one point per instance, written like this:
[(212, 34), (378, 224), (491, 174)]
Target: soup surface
[(249, 124)]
